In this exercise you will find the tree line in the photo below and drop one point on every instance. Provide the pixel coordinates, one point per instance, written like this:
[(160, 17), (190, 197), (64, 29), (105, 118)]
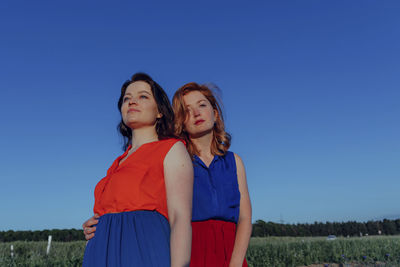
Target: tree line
[(260, 229), (64, 235), (351, 228)]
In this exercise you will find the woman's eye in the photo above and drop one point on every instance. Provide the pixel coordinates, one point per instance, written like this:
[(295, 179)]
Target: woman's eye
[(143, 97), (202, 105), (125, 99)]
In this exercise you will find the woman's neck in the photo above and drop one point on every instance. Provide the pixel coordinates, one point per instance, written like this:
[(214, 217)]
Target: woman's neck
[(143, 135), (203, 145)]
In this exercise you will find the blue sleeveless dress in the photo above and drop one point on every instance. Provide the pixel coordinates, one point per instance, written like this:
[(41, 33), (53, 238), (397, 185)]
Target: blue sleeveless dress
[(216, 205)]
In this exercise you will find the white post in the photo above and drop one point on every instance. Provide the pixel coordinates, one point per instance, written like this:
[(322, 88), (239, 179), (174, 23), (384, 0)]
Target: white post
[(12, 251), (48, 245)]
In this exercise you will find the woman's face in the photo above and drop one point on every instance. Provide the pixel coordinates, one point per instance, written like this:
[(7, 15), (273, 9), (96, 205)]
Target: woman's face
[(200, 115), (139, 108)]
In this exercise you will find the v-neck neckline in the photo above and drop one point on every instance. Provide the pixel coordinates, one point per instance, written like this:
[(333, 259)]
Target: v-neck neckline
[(202, 162), (119, 163)]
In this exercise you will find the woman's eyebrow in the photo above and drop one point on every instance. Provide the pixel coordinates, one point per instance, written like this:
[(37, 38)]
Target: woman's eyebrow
[(143, 91), (188, 105)]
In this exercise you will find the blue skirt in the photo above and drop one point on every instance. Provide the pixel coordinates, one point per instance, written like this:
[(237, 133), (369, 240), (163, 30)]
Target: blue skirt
[(134, 238)]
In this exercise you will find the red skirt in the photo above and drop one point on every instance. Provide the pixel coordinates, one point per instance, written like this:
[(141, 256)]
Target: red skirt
[(212, 243)]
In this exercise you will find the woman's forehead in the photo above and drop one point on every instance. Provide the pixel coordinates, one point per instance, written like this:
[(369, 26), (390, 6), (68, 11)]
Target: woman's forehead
[(139, 86), (193, 98)]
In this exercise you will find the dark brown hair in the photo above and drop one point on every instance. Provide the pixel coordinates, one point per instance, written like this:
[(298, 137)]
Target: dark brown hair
[(221, 139), (164, 125)]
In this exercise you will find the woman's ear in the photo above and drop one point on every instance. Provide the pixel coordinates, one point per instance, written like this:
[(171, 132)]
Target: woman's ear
[(216, 115)]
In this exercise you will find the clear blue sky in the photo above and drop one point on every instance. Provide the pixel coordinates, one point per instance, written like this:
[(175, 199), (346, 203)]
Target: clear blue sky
[(311, 92)]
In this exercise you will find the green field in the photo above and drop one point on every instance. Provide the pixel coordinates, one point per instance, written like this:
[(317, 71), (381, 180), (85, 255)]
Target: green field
[(298, 251), (270, 251)]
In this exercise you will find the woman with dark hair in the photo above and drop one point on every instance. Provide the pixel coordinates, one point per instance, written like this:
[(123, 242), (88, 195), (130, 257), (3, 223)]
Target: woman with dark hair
[(143, 205), (221, 221)]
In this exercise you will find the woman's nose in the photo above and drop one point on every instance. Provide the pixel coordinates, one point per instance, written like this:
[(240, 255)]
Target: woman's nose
[(132, 101), (196, 112)]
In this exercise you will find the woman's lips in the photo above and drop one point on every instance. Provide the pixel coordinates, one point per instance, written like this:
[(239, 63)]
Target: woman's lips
[(198, 122), (133, 110)]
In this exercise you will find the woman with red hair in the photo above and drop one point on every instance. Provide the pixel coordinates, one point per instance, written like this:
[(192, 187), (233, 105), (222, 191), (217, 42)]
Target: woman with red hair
[(221, 213)]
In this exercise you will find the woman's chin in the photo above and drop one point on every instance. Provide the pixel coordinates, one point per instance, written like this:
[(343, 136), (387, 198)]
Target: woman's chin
[(134, 125)]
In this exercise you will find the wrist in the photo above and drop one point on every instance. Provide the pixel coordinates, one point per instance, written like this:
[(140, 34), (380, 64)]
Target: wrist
[(236, 263)]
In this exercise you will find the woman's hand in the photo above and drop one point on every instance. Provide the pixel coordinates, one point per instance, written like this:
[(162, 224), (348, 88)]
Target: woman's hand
[(88, 228)]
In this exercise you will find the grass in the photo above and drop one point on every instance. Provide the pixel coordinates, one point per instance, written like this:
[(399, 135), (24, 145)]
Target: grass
[(269, 251)]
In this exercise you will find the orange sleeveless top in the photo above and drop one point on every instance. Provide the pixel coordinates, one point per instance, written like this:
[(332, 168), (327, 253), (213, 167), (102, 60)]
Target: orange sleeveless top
[(137, 183)]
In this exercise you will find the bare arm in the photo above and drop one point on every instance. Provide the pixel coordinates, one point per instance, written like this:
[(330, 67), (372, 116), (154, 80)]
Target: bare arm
[(178, 173), (243, 230), (88, 228)]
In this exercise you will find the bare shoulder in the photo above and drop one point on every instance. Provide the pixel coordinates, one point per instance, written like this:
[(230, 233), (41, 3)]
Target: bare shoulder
[(177, 153), (178, 146), (241, 173), (239, 162)]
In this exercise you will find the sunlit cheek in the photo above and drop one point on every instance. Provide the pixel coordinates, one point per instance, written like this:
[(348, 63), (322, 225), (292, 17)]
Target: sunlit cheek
[(124, 105)]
